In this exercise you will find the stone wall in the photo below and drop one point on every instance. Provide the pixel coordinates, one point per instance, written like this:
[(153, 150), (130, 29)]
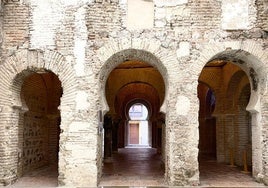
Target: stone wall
[(83, 41), (262, 14)]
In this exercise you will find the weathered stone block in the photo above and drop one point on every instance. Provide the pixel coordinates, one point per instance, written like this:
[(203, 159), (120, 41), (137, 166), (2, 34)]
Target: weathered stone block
[(140, 14), (183, 50), (82, 102), (235, 14), (182, 105)]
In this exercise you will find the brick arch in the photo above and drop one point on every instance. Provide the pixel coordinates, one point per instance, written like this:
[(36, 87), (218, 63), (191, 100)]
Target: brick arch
[(244, 140), (232, 88), (142, 90), (130, 103), (212, 81), (148, 51), (244, 83), (251, 57), (214, 91), (13, 71)]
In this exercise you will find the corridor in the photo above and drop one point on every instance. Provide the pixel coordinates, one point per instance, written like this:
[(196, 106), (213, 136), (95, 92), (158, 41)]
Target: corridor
[(143, 167)]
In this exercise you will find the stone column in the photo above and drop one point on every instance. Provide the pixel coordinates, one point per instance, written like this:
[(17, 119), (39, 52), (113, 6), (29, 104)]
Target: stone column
[(107, 139), (159, 134), (150, 133), (220, 128), (121, 134), (22, 111), (116, 123), (162, 122), (10, 151), (126, 136), (154, 133)]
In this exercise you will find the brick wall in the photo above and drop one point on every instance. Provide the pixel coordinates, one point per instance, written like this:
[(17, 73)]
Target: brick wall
[(262, 14), (186, 35), (1, 27), (41, 121), (16, 19), (205, 16), (54, 90), (244, 128), (233, 121), (35, 130)]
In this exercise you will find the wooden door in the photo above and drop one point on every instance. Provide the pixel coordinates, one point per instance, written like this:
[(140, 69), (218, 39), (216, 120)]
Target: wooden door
[(134, 133)]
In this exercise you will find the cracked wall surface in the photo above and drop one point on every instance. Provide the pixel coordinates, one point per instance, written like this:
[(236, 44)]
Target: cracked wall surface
[(83, 41)]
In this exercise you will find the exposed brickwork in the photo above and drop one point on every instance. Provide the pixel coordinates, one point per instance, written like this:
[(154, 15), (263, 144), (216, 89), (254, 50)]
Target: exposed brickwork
[(103, 20), (35, 131), (13, 74), (40, 130), (91, 39), (201, 21), (234, 124), (16, 18), (262, 14)]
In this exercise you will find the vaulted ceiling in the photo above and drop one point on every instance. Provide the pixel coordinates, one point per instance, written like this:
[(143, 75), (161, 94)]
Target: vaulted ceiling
[(134, 81)]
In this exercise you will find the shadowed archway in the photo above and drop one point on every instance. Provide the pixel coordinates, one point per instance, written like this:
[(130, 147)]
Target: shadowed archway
[(133, 82)]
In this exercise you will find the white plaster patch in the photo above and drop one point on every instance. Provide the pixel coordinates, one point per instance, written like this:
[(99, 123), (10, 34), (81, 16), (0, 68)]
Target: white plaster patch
[(182, 105), (45, 20), (79, 52), (140, 14), (160, 13), (160, 23), (122, 2), (235, 14), (184, 49), (80, 36), (161, 3), (81, 100)]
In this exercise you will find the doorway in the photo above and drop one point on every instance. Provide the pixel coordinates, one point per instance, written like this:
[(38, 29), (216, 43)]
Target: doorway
[(207, 123), (39, 129), (224, 123), (134, 93), (133, 133), (138, 126)]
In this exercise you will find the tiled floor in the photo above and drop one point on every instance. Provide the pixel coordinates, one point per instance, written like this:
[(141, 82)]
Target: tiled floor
[(141, 167), (134, 167), (214, 174), (44, 177)]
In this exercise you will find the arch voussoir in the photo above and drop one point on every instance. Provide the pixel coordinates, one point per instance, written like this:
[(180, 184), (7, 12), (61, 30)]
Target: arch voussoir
[(117, 51), (13, 71), (251, 57)]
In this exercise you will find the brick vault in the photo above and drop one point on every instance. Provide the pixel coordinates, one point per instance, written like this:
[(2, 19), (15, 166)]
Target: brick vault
[(194, 64)]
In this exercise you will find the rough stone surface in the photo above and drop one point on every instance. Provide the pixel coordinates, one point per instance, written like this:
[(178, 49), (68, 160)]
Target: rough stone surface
[(235, 14), (83, 41), (140, 10)]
